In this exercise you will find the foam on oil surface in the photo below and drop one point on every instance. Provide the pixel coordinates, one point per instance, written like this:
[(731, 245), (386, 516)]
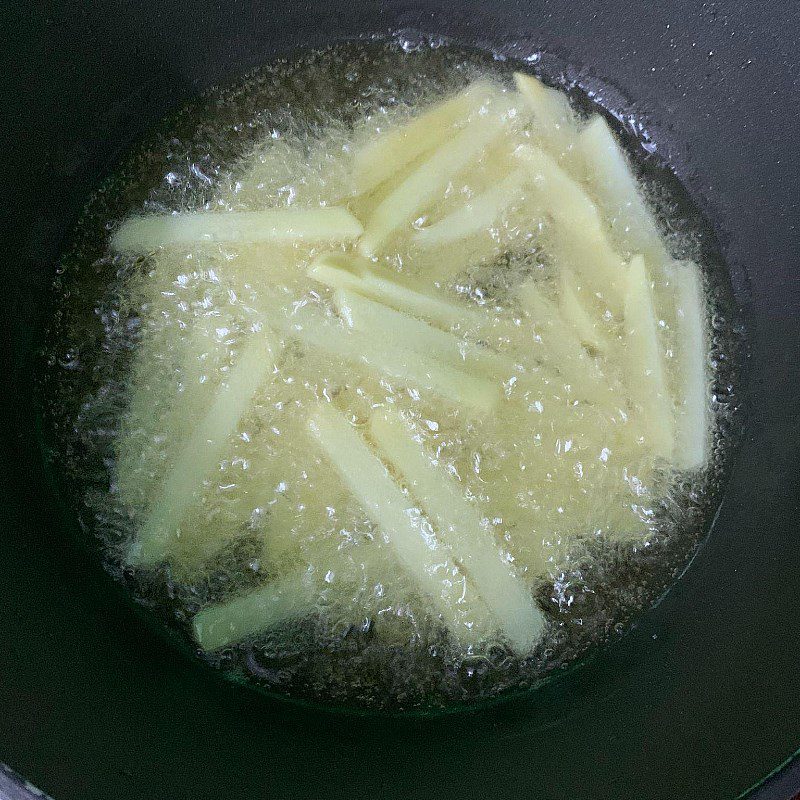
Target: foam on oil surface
[(118, 358)]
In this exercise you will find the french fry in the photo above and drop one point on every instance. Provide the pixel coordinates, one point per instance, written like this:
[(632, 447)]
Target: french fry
[(364, 314), (573, 310), (579, 237), (414, 369), (289, 597), (339, 270), (576, 367), (692, 424), (390, 152), (347, 272), (556, 124), (617, 190), (646, 378), (148, 233), (201, 453), (344, 272), (429, 180), (458, 524), (422, 555), (378, 320), (475, 216), (566, 199)]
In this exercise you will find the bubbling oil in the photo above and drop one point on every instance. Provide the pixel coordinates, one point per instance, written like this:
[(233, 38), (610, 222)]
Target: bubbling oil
[(125, 382)]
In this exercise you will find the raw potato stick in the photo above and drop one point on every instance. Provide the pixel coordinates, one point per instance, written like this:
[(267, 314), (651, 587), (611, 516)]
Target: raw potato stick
[(458, 524), (145, 234), (477, 215), (576, 367), (289, 597), (574, 311), (339, 271), (344, 272), (203, 451), (418, 371), (646, 379), (579, 237), (396, 149), (555, 121), (368, 316), (377, 320), (429, 180), (691, 347), (617, 190), (196, 353), (422, 555)]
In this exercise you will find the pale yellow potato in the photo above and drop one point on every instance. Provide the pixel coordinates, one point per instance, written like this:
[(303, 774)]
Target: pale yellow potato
[(390, 152), (201, 453), (345, 272), (145, 234), (170, 396), (555, 124), (378, 320), (419, 551), (615, 187), (458, 523), (415, 370), (646, 380), (691, 386), (340, 271), (429, 180), (477, 215), (290, 596), (579, 237), (590, 328), (579, 370)]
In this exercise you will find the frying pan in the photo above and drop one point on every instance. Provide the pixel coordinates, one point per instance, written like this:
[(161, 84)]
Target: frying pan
[(701, 700)]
